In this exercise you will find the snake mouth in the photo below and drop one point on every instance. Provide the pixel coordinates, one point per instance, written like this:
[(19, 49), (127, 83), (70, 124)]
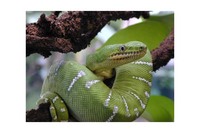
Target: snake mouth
[(128, 55)]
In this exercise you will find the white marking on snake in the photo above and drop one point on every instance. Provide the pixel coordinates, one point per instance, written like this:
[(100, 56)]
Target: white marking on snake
[(143, 79), (147, 94), (138, 98), (52, 108), (142, 63), (126, 106), (41, 96), (136, 112), (58, 66), (115, 110), (90, 83), (108, 99), (46, 100), (55, 118), (150, 72), (62, 110), (55, 98), (79, 75)]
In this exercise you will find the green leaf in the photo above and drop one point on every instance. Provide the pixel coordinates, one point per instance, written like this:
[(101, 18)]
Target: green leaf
[(167, 19), (151, 31), (159, 109)]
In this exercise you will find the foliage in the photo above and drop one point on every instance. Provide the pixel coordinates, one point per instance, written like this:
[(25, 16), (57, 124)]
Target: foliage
[(152, 31), (159, 109)]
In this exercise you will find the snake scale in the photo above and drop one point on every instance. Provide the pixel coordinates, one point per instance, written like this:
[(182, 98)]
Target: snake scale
[(79, 90)]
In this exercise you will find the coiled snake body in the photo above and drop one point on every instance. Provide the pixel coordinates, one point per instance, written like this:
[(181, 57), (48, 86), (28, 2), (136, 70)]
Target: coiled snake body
[(80, 90)]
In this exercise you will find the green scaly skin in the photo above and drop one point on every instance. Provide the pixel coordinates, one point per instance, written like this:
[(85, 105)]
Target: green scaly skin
[(81, 89)]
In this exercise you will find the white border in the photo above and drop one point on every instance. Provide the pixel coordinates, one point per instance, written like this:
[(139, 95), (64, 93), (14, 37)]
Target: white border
[(186, 65)]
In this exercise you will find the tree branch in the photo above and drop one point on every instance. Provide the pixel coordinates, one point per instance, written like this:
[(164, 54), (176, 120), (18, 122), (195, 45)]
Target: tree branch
[(164, 52), (41, 114), (71, 31)]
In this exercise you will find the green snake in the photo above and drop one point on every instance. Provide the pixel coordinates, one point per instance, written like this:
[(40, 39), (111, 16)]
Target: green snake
[(79, 90)]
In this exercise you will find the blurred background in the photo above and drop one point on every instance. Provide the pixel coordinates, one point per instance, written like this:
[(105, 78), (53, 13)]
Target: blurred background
[(37, 66)]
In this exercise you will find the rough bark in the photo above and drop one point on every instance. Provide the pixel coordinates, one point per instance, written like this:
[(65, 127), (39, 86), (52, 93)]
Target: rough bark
[(71, 31), (41, 114), (164, 52)]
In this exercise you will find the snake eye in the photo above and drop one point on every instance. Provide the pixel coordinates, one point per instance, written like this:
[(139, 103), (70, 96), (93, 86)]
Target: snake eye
[(122, 48)]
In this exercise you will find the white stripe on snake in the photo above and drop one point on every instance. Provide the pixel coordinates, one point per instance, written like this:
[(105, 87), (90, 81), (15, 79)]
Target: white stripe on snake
[(79, 75)]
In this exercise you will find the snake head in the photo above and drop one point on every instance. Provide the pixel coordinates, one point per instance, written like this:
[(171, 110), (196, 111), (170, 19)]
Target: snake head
[(112, 56), (127, 52)]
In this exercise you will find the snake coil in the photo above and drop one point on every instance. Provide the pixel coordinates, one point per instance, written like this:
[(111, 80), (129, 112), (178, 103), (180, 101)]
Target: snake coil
[(79, 90)]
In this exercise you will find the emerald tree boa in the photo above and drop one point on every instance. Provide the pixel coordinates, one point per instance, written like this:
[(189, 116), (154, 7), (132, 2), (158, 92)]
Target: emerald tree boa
[(79, 90)]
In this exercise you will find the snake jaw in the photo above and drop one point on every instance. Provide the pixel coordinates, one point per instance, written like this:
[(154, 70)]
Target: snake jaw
[(128, 55)]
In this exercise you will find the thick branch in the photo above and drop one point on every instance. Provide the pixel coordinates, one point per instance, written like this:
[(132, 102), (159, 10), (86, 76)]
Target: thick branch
[(41, 114), (164, 52), (71, 31)]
